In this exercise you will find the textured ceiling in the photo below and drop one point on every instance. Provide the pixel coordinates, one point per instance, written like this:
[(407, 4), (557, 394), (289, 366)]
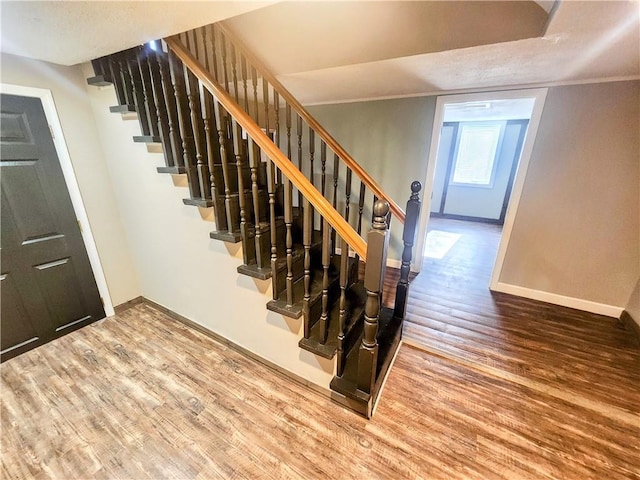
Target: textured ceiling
[(71, 32), (351, 53)]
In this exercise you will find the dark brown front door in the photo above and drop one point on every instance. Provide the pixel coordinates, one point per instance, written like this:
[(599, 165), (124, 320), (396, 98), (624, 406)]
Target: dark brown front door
[(47, 285)]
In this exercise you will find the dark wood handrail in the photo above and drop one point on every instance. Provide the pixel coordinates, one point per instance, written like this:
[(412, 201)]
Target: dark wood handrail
[(322, 205), (324, 135)]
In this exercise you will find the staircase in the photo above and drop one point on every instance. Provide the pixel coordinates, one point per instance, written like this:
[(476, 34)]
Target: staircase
[(308, 216)]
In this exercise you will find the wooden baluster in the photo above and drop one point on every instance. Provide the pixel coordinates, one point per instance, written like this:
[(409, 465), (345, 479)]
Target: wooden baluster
[(288, 126), (256, 105), (408, 237), (288, 222), (336, 171), (213, 152), (248, 247), (326, 259), (344, 284), (116, 78), (202, 170), (138, 95), (299, 132), (169, 100), (265, 99), (126, 79), (307, 230), (377, 245), (363, 190), (101, 69), (234, 71), (312, 151), (225, 71), (254, 164), (271, 187), (347, 193), (221, 123), (186, 132), (276, 114), (243, 73), (323, 163), (214, 53), (156, 92)]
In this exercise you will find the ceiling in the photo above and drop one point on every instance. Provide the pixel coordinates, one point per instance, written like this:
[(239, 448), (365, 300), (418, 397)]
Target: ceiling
[(71, 32), (344, 51)]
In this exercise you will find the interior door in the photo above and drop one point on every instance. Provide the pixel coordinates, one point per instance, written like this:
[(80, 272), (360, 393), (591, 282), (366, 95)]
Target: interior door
[(480, 191), (47, 286)]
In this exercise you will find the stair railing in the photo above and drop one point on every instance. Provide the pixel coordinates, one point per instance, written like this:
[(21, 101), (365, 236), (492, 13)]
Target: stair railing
[(236, 165), (264, 97), (321, 205)]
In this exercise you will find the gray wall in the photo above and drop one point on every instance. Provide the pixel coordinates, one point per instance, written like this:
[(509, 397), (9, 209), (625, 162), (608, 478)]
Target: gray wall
[(577, 230), (390, 139)]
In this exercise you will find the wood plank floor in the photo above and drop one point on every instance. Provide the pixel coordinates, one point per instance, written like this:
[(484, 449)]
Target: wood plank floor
[(141, 396), (588, 358)]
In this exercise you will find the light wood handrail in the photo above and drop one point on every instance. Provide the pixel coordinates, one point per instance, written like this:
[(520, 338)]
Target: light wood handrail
[(321, 204), (319, 129)]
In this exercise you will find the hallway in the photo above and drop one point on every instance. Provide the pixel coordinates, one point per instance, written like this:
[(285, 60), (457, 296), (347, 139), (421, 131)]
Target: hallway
[(582, 358)]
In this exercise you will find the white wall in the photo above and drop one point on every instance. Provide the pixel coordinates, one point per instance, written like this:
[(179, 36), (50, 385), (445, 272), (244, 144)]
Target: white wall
[(67, 85), (178, 266)]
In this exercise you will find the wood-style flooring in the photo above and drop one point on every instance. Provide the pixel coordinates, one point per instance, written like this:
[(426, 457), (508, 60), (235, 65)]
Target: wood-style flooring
[(587, 359), (499, 388)]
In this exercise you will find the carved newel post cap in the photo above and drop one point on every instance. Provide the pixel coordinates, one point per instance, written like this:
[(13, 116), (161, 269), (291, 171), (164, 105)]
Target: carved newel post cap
[(380, 212), (380, 208), (416, 186)]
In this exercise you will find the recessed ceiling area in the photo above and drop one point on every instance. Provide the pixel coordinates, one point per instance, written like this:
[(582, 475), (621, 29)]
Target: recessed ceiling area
[(297, 37)]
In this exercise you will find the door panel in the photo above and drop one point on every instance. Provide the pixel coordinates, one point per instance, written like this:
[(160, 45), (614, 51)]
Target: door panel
[(51, 288)]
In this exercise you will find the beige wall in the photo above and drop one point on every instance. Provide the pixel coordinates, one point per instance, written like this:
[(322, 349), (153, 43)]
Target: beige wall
[(390, 139), (577, 231), (179, 266), (67, 85)]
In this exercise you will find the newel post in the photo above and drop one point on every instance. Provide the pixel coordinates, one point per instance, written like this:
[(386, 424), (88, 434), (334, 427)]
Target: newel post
[(377, 246), (408, 237)]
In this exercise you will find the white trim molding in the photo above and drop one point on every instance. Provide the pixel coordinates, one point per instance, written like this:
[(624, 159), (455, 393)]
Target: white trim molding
[(563, 301), (49, 106)]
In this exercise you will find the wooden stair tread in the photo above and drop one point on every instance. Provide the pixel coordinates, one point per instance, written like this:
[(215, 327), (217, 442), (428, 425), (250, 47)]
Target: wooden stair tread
[(146, 139), (123, 109), (173, 170), (98, 81), (198, 202), (225, 236)]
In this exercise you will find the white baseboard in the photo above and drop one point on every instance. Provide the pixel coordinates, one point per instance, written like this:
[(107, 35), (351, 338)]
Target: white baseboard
[(571, 302)]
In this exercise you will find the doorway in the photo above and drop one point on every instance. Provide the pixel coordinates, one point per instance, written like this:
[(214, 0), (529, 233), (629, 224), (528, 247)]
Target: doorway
[(48, 284), (480, 149)]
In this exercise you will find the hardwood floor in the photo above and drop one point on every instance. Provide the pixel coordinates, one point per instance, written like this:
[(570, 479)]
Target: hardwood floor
[(584, 358), (141, 396)]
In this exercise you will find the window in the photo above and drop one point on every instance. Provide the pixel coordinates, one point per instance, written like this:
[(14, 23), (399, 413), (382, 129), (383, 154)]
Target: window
[(476, 156)]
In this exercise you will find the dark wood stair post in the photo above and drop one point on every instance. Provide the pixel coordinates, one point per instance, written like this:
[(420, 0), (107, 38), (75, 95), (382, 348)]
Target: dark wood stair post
[(408, 237), (377, 245)]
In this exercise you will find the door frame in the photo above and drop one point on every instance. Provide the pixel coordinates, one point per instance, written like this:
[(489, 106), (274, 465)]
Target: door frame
[(51, 114), (540, 95)]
